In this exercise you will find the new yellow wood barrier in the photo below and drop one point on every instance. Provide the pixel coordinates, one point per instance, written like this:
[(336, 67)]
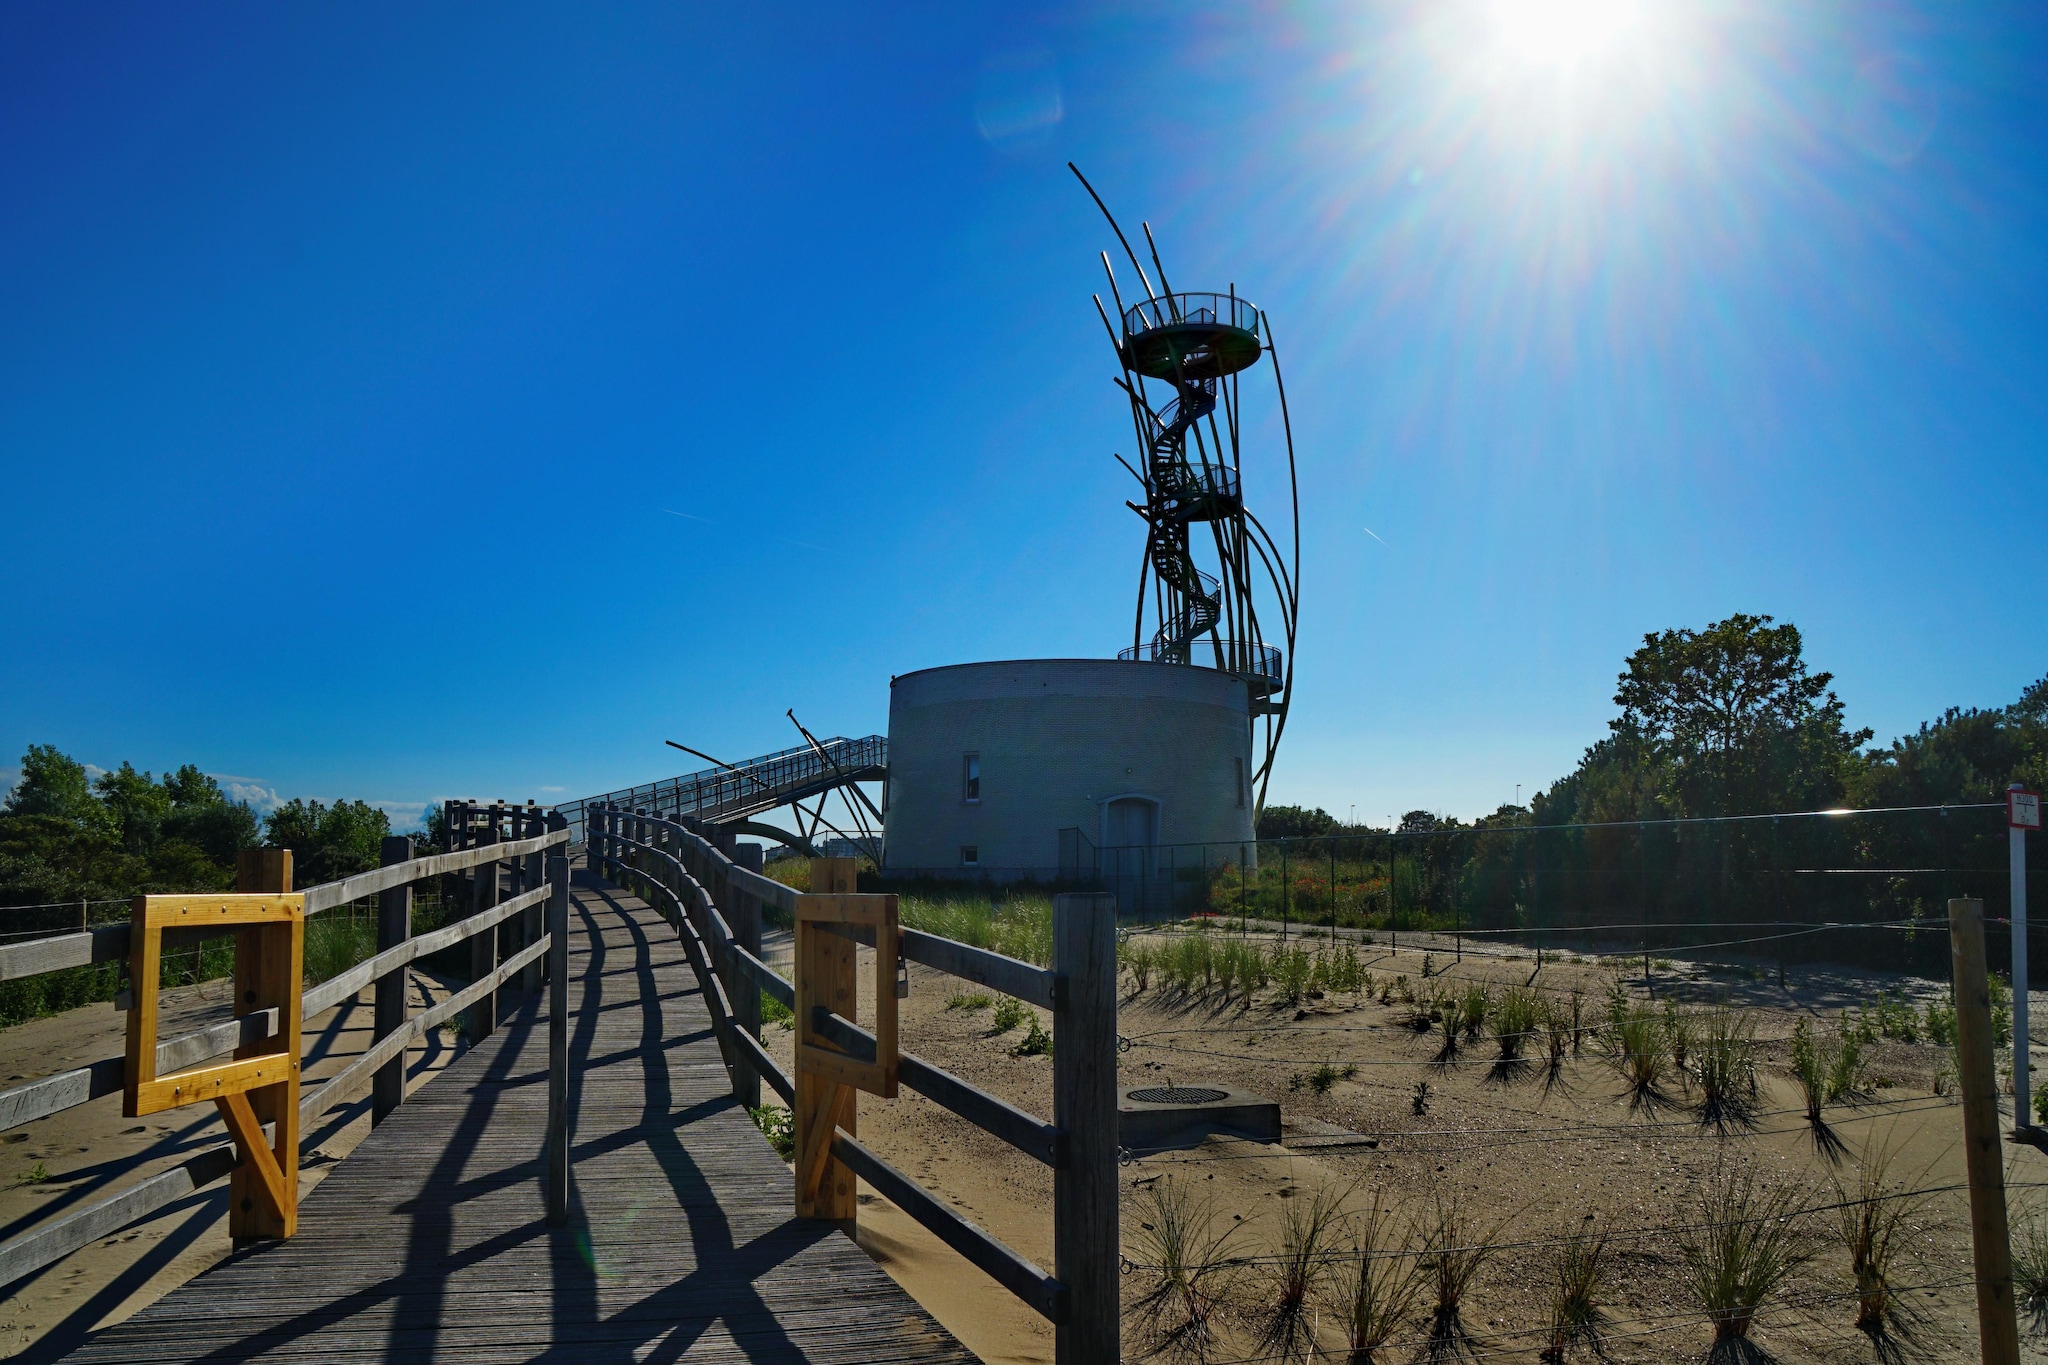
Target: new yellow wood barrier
[(262, 1083)]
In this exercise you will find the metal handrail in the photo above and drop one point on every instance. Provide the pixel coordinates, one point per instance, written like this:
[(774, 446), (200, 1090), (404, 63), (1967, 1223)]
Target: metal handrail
[(758, 784), (1171, 309), (1262, 660)]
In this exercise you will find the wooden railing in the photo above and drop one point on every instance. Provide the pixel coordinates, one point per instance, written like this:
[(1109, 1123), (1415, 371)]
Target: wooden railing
[(714, 905), (539, 876)]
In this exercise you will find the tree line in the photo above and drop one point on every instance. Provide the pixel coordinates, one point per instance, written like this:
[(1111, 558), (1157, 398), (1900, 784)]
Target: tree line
[(67, 837), (1655, 823)]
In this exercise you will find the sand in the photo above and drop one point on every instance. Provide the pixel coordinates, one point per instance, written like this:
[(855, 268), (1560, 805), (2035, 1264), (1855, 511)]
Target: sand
[(1534, 1160)]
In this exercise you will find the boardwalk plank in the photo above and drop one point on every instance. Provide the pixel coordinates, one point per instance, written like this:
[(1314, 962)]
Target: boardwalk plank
[(429, 1242)]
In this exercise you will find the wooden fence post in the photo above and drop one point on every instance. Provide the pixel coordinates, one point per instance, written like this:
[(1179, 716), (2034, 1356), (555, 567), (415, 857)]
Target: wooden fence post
[(394, 926), (743, 917), (258, 979), (536, 914), (1997, 1321), (483, 947), (1086, 1239), (558, 1041), (825, 971)]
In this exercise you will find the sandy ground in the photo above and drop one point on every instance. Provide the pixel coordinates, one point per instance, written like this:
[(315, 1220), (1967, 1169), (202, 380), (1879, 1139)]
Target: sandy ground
[(90, 1151), (1537, 1160)]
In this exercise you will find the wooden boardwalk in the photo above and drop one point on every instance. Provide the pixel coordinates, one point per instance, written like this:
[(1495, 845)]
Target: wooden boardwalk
[(429, 1242)]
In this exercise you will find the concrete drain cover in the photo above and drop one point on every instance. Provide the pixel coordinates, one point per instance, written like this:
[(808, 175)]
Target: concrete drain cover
[(1169, 1115), (1178, 1094)]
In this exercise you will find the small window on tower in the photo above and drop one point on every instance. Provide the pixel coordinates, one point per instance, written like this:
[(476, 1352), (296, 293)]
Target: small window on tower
[(1240, 782), (970, 855), (970, 779)]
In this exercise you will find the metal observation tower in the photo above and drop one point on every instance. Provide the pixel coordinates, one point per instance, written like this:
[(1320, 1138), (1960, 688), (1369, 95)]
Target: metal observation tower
[(1201, 591)]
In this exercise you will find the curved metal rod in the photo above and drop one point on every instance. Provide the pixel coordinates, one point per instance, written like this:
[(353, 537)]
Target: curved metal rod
[(1114, 228), (780, 836), (1287, 427), (1171, 307)]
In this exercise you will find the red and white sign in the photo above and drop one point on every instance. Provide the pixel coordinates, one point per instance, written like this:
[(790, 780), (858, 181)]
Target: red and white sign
[(2023, 810)]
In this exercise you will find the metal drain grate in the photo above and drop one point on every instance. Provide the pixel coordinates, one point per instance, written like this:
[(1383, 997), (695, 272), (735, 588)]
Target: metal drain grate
[(1178, 1094)]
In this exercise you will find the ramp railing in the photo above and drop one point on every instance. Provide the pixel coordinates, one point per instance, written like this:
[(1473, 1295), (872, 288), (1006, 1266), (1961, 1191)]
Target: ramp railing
[(713, 904), (532, 864)]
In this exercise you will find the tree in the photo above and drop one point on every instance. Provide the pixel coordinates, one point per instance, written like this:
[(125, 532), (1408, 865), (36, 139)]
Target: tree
[(1295, 822), (53, 784), (1735, 720), (1965, 757), (327, 842)]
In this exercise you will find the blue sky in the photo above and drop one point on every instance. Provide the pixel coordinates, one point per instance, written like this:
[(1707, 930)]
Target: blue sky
[(402, 403)]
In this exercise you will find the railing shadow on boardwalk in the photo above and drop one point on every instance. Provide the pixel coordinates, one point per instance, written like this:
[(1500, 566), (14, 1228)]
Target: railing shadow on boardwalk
[(441, 1171)]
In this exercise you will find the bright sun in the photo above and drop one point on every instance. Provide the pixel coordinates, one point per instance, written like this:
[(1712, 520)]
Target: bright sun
[(1562, 31)]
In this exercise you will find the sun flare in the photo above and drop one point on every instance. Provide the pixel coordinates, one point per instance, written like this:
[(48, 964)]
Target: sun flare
[(1562, 31)]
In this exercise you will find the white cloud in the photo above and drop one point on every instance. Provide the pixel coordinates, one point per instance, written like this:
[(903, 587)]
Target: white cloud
[(261, 799)]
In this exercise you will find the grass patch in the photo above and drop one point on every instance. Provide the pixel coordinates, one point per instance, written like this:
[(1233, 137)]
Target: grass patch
[(1636, 1048), (34, 1175), (2030, 1265), (1189, 1271), (335, 942), (1724, 1065), (1376, 1287), (1577, 1274), (1010, 1012), (1291, 1280), (1872, 1225), (976, 1001), (1744, 1250), (1515, 1021), (773, 1011), (1455, 1247), (1019, 926)]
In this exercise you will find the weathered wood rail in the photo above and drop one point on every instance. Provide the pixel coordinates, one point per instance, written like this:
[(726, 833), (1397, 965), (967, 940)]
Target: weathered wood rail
[(714, 905), (535, 864)]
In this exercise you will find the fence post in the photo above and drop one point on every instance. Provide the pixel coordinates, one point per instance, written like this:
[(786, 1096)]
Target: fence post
[(536, 914), (1087, 1252), (2022, 1026), (256, 870), (483, 947), (825, 971), (394, 926), (1997, 1322), (558, 1041), (743, 917)]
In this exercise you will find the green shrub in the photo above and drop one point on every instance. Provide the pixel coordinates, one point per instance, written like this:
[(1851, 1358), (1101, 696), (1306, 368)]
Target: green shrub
[(1036, 1042), (1291, 970), (1136, 959), (1941, 1023), (773, 1011), (1010, 1012), (778, 1126)]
